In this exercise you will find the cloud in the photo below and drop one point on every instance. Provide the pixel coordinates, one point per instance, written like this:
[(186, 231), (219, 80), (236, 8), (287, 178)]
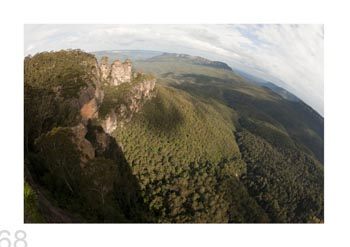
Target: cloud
[(289, 55)]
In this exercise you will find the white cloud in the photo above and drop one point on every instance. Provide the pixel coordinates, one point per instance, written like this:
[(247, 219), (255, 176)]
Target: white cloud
[(289, 55)]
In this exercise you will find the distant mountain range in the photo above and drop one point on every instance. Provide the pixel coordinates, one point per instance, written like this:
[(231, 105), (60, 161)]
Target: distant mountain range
[(263, 83), (159, 56), (166, 57), (127, 54)]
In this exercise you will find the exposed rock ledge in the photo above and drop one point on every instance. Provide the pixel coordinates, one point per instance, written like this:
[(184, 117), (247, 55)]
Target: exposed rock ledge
[(135, 88), (117, 73), (84, 146), (134, 100)]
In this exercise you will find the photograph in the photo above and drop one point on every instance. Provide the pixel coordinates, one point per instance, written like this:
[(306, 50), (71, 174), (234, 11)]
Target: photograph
[(173, 123)]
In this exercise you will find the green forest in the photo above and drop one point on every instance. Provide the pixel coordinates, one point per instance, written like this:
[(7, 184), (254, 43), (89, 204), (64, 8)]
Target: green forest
[(206, 146)]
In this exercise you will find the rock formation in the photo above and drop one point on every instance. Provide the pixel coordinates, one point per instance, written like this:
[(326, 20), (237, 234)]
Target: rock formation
[(110, 122), (121, 72), (138, 88), (89, 110), (84, 146), (141, 91), (105, 67), (117, 73), (133, 99)]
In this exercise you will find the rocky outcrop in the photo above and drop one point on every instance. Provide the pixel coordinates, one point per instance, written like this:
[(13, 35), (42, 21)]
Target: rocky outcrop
[(117, 73), (91, 95), (121, 72), (86, 95), (109, 124), (137, 87), (133, 100), (84, 146), (89, 110), (100, 140), (105, 67), (97, 71), (141, 91)]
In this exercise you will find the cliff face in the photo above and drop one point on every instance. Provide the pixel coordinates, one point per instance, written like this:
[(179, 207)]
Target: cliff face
[(70, 88), (121, 72), (105, 67), (89, 110), (133, 98), (141, 91), (110, 123), (84, 146), (92, 95), (133, 89), (64, 93), (83, 104), (117, 73)]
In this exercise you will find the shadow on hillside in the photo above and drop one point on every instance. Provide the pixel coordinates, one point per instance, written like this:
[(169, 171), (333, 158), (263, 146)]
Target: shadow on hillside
[(296, 118), (83, 204), (127, 191), (161, 116)]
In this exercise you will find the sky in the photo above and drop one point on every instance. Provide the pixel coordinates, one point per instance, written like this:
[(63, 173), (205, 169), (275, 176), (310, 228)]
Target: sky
[(291, 56)]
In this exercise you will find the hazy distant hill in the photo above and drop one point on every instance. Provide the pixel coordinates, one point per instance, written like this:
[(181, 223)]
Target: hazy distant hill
[(263, 83), (220, 83), (179, 58), (126, 54)]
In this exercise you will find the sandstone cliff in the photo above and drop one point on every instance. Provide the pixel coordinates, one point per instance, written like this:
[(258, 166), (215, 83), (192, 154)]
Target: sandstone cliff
[(121, 72), (117, 73), (129, 92), (84, 146), (132, 99), (105, 67), (63, 95)]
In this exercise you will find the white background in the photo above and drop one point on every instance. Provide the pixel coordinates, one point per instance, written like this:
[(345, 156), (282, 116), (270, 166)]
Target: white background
[(334, 14)]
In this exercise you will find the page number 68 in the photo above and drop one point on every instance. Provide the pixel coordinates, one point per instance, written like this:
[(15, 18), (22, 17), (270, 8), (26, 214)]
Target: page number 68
[(19, 241)]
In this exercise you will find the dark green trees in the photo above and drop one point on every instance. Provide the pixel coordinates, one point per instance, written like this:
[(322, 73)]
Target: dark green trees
[(61, 159), (288, 184)]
